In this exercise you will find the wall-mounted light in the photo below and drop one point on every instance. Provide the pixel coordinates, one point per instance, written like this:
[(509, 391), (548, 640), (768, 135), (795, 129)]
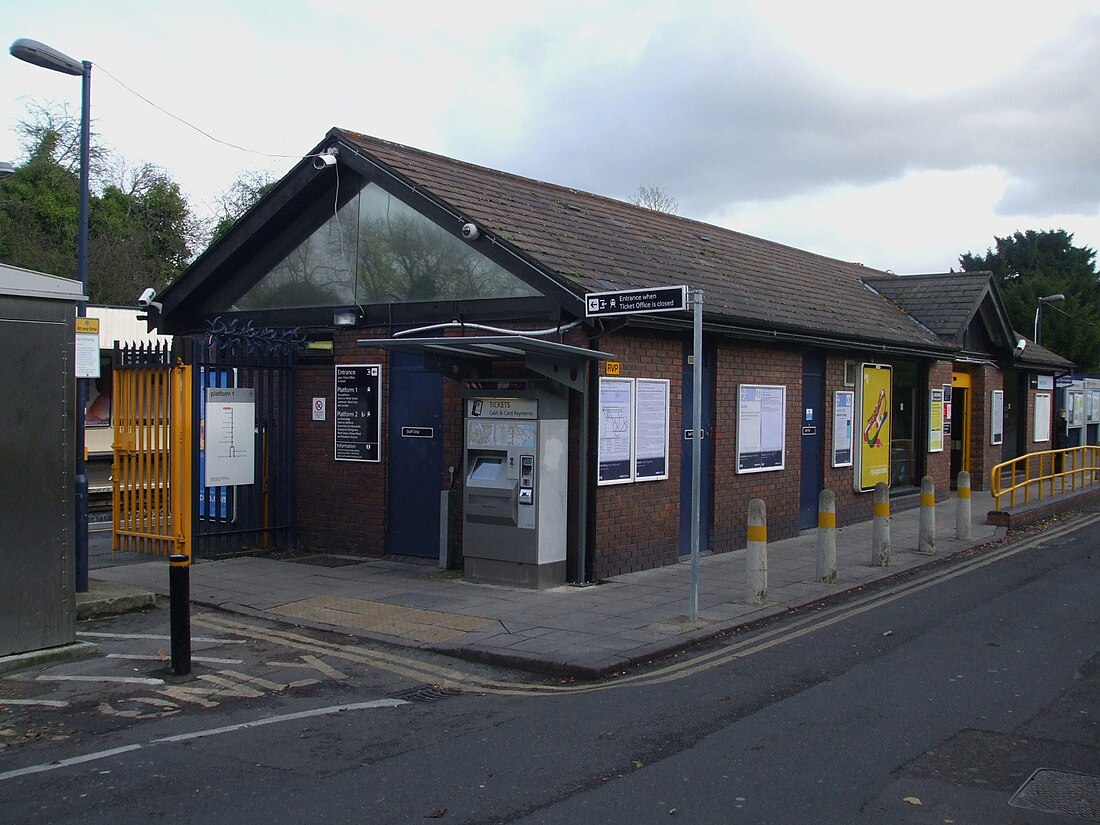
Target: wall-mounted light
[(345, 317)]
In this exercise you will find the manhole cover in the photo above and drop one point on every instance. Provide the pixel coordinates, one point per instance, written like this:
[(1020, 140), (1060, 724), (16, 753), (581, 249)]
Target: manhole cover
[(327, 561), (427, 693), (1059, 792)]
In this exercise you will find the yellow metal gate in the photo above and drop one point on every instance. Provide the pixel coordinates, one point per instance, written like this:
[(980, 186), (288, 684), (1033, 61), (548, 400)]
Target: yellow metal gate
[(151, 474)]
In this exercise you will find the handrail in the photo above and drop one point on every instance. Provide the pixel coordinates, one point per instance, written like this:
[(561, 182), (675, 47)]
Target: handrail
[(1073, 467)]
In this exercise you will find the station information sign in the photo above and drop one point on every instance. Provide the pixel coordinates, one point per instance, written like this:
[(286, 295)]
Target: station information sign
[(629, 301)]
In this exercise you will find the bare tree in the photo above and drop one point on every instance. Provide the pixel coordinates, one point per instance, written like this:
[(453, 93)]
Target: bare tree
[(655, 198)]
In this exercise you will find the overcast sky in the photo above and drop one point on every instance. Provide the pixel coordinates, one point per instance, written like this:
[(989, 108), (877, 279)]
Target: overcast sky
[(898, 136)]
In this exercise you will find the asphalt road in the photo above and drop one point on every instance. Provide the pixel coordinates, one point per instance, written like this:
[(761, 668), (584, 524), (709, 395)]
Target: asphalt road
[(926, 705)]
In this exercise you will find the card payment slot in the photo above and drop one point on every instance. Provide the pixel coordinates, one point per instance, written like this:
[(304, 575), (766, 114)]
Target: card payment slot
[(526, 479)]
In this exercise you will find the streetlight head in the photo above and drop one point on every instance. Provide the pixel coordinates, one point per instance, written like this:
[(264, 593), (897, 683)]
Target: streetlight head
[(1049, 298), (45, 56), (6, 169)]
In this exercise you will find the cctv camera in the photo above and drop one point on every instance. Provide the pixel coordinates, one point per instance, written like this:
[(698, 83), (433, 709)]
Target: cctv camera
[(1020, 344), (146, 297), (325, 159), (470, 232)]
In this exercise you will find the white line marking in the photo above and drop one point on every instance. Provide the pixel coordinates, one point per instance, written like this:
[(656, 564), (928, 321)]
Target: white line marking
[(287, 717), (105, 635), (122, 680), (152, 657), (50, 703), (64, 763), (183, 737)]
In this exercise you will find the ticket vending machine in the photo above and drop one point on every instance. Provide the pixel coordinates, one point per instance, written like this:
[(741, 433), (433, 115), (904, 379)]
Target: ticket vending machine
[(515, 495)]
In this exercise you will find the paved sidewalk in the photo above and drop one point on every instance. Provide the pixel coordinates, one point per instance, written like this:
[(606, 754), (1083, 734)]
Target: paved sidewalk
[(576, 631)]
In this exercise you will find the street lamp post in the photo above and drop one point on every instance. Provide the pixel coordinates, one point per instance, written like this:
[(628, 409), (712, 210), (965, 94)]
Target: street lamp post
[(1046, 299), (42, 55)]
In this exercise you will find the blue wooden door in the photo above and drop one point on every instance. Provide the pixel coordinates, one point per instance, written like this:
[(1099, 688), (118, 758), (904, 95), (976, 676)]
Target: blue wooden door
[(415, 471), (706, 478), (813, 437)]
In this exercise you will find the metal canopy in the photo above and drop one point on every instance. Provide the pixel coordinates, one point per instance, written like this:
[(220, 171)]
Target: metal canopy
[(469, 357)]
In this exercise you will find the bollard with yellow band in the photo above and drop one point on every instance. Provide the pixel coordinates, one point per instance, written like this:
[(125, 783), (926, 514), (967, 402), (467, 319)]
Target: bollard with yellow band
[(826, 537), (880, 535), (962, 508), (756, 556), (926, 530)]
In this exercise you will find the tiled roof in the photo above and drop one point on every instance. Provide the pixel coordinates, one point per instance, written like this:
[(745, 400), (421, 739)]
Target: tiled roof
[(591, 243), (944, 303)]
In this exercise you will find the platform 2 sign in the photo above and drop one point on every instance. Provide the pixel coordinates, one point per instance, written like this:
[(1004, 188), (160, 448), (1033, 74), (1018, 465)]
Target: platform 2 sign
[(629, 301), (358, 412)]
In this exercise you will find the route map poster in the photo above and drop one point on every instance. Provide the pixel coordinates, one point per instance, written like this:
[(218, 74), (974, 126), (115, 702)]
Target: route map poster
[(358, 412), (615, 452), (230, 435), (874, 426)]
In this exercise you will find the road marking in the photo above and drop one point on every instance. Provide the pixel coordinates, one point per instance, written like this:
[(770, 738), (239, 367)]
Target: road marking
[(728, 652), (152, 657), (286, 717), (49, 703), (184, 737), (64, 763), (105, 635), (312, 663), (122, 680)]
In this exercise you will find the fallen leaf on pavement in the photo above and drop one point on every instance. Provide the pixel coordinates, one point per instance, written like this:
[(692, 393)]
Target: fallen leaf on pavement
[(912, 800), (436, 814)]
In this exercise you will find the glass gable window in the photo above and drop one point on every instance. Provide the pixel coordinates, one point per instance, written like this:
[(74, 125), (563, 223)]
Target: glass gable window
[(378, 250)]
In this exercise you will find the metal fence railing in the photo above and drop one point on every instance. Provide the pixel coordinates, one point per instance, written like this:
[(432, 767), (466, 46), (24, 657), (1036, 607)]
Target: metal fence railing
[(1043, 474)]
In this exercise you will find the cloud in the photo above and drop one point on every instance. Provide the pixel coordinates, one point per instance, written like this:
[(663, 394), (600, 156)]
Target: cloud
[(724, 114)]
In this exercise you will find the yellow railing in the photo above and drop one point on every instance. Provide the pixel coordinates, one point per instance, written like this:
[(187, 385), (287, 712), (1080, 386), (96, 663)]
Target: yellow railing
[(1044, 474)]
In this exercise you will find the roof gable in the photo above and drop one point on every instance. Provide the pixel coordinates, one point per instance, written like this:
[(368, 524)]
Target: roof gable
[(566, 243), (962, 308), (593, 243)]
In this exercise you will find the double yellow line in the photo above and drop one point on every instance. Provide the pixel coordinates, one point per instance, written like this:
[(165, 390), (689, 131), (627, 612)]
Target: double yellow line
[(450, 678)]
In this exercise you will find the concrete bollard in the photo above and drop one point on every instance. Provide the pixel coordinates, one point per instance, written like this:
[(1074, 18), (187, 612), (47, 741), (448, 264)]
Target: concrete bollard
[(756, 557), (962, 510), (880, 536), (926, 530), (826, 537)]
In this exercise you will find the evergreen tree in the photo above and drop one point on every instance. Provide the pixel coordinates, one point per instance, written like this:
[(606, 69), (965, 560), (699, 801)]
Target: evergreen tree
[(1032, 264)]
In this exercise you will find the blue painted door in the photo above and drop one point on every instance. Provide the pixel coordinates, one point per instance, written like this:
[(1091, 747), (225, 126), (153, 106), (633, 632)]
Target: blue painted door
[(706, 478), (415, 471), (813, 436)]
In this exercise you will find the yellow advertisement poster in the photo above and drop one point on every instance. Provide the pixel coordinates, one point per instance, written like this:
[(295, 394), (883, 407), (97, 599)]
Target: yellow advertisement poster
[(874, 424), (935, 421)]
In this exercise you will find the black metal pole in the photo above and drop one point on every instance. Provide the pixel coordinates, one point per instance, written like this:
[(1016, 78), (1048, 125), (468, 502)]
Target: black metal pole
[(179, 595), (81, 549)]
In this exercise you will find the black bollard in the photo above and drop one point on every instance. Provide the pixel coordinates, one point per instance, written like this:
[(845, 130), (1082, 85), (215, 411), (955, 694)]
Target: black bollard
[(179, 610)]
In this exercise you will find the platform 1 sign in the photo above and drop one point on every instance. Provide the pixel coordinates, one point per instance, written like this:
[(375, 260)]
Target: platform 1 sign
[(627, 302)]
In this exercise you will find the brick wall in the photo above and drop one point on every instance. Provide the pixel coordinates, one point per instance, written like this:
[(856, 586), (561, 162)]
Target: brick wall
[(340, 506), (938, 465), (737, 364), (983, 455), (638, 525)]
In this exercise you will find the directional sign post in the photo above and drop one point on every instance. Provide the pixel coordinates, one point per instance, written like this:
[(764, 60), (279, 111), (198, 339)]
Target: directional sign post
[(669, 299)]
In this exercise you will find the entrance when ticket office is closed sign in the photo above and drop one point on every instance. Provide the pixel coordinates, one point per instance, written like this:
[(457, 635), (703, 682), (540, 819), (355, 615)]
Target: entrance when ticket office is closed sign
[(874, 426)]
